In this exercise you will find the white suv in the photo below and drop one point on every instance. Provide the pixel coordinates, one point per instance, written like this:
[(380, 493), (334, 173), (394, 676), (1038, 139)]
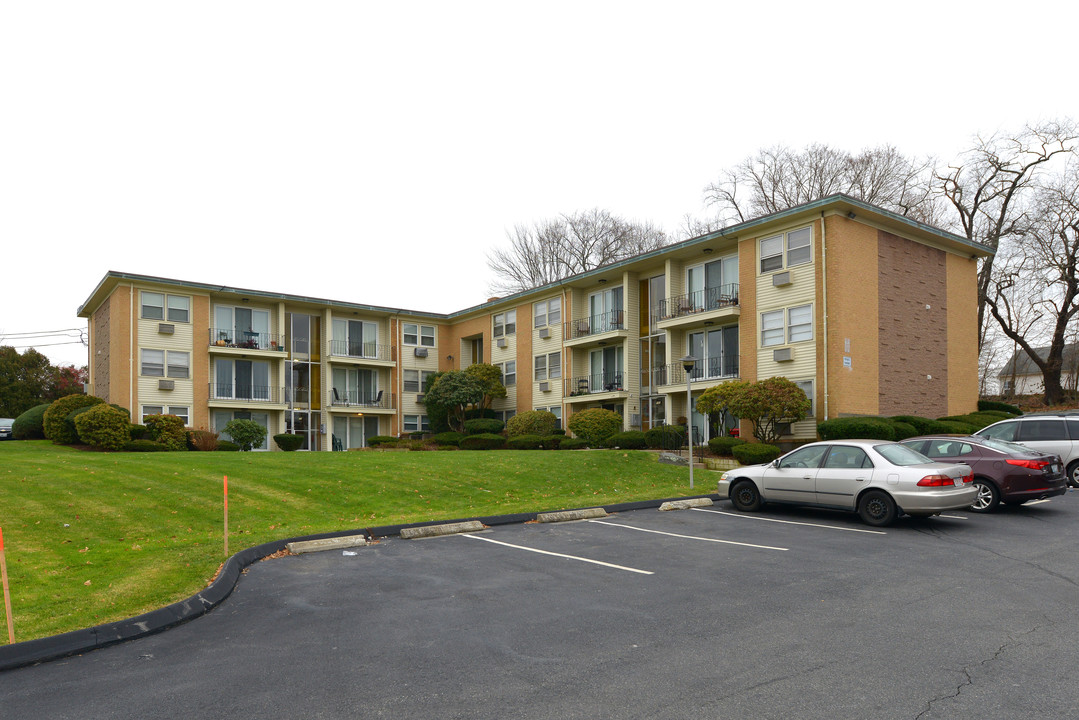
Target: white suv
[(1048, 432)]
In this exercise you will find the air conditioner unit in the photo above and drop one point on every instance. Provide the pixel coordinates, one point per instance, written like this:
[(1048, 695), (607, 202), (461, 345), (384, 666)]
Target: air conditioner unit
[(781, 279), (166, 384), (783, 429), (166, 328), (545, 333), (501, 342), (783, 355), (545, 387), (419, 398), (421, 352)]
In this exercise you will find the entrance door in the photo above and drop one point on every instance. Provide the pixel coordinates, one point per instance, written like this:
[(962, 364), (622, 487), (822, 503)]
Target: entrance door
[(301, 422)]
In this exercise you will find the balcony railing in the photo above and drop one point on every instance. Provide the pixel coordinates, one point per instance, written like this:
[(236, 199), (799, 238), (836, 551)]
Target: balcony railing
[(713, 368), (595, 324), (253, 393), (340, 397), (365, 350), (696, 302), (246, 340), (589, 384)]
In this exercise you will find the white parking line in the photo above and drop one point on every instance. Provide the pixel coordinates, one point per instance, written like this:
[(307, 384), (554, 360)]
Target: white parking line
[(1039, 502), (688, 537), (790, 522), (568, 557), (954, 517)]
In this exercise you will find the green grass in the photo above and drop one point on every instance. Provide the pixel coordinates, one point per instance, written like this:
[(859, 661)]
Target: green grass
[(95, 537)]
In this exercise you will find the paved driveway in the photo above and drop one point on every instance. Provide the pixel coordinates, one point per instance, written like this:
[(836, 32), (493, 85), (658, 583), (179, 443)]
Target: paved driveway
[(787, 613)]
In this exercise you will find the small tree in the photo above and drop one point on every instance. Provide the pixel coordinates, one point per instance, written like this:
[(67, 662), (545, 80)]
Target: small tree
[(766, 404), (455, 391), (245, 433), (490, 378), (595, 425)]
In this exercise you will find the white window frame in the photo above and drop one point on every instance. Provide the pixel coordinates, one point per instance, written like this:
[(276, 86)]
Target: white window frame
[(551, 368), (784, 251), (419, 424), (773, 339), (411, 381), (545, 309), (182, 412), (177, 369), (427, 333), (160, 314), (144, 361), (505, 323), (772, 255), (809, 394), (807, 324), (173, 313), (808, 230), (422, 335), (148, 410), (509, 375), (555, 410)]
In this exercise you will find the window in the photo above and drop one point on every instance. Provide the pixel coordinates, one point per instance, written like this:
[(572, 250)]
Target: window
[(355, 338), (412, 381), (148, 410), (243, 380), (947, 448), (547, 312), (555, 410), (509, 372), (1042, 430), (505, 323), (153, 363), (772, 254), (808, 457), (180, 412), (419, 334), (800, 323), (1001, 431), (243, 327), (427, 335), (847, 457), (179, 308), (424, 374), (153, 306), (548, 367), (505, 415), (772, 328), (179, 364), (799, 251), (807, 388), (716, 352), (412, 334), (222, 418), (416, 423)]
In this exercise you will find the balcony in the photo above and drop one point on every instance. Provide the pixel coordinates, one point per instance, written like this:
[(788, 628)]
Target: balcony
[(341, 399), (697, 308), (362, 352), (710, 370), (246, 340), (245, 393), (596, 329), (607, 384)]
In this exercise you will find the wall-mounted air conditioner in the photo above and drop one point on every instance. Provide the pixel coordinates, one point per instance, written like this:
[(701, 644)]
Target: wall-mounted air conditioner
[(783, 355), (545, 333), (545, 387), (166, 328), (501, 342), (419, 398), (781, 279), (166, 385), (421, 352)]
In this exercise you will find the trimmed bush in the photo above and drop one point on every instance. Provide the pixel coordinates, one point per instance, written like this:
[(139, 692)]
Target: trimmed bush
[(998, 414), (723, 446), (755, 453), (487, 413), (532, 422), (70, 422), (202, 440), (595, 425), (447, 439), (379, 440), (481, 426), (848, 428), (416, 445), (103, 426), (169, 431), (525, 442), (1001, 406), (951, 427), (54, 421), (629, 440), (903, 430), (248, 434), (921, 425), (483, 441), (569, 443), (976, 420), (288, 442), (144, 446), (559, 431), (665, 437), (553, 442), (138, 432), (31, 424), (226, 446)]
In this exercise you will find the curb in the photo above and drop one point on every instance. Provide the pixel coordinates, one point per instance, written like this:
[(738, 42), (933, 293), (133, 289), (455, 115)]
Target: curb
[(31, 652)]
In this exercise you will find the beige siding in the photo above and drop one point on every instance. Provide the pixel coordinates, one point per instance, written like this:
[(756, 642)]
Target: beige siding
[(181, 340)]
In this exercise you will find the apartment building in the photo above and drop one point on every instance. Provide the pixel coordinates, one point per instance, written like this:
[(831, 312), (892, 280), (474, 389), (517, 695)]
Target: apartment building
[(867, 311)]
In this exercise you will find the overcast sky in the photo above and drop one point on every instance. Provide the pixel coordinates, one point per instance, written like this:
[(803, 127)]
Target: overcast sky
[(375, 152)]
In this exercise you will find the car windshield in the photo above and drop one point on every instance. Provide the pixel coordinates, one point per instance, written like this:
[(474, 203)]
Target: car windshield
[(1007, 447), (901, 455)]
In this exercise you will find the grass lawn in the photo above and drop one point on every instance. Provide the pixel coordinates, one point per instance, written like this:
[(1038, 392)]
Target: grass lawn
[(95, 537)]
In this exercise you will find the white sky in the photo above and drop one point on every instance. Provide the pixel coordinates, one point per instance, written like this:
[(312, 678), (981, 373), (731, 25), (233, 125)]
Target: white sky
[(374, 152)]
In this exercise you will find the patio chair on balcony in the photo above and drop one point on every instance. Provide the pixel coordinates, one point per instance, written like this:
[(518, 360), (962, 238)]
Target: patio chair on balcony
[(376, 401)]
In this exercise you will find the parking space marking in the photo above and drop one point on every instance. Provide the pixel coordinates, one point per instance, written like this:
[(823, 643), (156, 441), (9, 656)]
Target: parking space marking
[(568, 557), (791, 522), (1039, 502), (688, 537), (954, 517)]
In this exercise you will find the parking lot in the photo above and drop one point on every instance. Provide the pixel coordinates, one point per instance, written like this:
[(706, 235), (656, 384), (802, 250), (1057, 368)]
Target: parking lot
[(695, 613)]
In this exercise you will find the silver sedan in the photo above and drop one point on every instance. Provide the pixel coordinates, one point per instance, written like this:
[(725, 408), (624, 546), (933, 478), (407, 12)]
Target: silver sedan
[(877, 479)]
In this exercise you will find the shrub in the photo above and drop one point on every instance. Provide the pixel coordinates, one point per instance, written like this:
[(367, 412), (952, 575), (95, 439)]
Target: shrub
[(138, 432), (288, 442), (595, 425), (723, 446), (1001, 406), (525, 442), (479, 426), (103, 426), (30, 425), (476, 413), (629, 440), (72, 428), (976, 420), (248, 434), (483, 441), (755, 453), (559, 431), (998, 414), (532, 422), (447, 439), (665, 437), (951, 427), (921, 424), (903, 430), (144, 446), (553, 442), (569, 443), (415, 445), (226, 446), (855, 427), (202, 440), (169, 431), (379, 440), (54, 425)]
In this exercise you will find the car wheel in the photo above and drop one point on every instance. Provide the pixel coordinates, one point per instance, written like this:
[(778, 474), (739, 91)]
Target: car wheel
[(1073, 474), (746, 497), (988, 496), (877, 508)]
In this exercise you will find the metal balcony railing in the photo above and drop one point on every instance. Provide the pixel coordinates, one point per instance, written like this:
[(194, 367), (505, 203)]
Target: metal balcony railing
[(246, 340), (235, 391), (365, 350), (598, 383), (339, 397), (595, 324), (696, 302), (713, 368)]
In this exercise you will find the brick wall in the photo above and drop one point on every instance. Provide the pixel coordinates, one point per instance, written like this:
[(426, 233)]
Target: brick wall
[(99, 353)]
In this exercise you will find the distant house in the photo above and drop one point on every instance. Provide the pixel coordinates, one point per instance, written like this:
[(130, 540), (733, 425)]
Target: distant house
[(1021, 376)]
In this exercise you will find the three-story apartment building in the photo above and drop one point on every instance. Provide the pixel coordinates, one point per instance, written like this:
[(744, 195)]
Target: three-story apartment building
[(867, 311)]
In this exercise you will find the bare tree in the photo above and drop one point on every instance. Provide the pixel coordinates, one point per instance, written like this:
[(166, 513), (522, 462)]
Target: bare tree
[(569, 244), (779, 178)]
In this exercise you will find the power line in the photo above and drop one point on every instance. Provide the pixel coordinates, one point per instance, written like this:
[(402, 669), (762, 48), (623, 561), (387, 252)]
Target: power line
[(43, 333), (24, 347)]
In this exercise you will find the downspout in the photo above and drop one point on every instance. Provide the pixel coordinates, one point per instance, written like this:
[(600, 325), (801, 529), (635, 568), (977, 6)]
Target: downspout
[(131, 353), (824, 303)]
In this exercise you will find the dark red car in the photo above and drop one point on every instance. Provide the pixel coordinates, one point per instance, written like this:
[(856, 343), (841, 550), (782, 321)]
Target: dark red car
[(1003, 472)]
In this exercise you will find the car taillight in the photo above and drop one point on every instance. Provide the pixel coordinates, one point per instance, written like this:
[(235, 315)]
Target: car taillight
[(968, 478), (1031, 464), (935, 481)]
